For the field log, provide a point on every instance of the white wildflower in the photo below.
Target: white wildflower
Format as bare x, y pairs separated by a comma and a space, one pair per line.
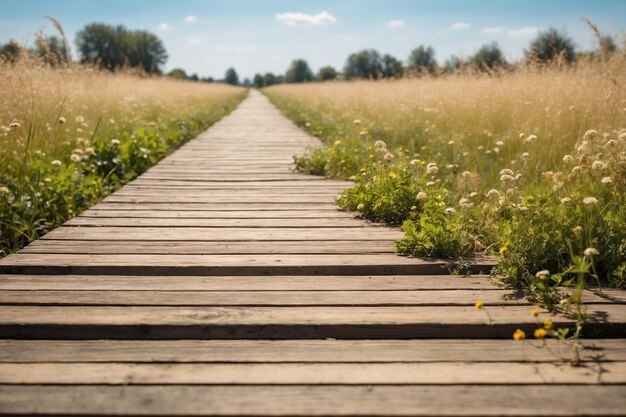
506, 171
542, 275
421, 196
115, 142
379, 144
449, 211
590, 200
4, 190
432, 168
606, 180
568, 159
56, 163
74, 157
493, 193
589, 252
566, 200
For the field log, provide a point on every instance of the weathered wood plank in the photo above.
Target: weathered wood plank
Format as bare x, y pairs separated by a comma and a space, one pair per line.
283, 298
245, 283
319, 223
226, 234
19, 322
206, 248
220, 214
264, 264
303, 351
265, 298
301, 400
502, 373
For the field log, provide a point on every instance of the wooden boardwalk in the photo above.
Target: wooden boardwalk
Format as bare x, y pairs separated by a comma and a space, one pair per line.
221, 283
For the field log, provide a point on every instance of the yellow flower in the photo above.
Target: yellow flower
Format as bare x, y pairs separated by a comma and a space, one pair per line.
392, 174
540, 333
577, 230
479, 304
364, 131
503, 250
547, 324
361, 206
519, 335
534, 312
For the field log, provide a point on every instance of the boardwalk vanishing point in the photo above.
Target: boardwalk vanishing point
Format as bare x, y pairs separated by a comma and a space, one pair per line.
221, 283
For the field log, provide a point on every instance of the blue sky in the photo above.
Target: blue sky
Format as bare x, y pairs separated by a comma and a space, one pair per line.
208, 36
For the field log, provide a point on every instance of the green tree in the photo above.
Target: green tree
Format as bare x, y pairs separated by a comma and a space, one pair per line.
194, 77
178, 73
488, 57
364, 64
270, 79
326, 73
391, 67
453, 63
258, 81
550, 45
10, 51
113, 47
299, 72
231, 77
422, 59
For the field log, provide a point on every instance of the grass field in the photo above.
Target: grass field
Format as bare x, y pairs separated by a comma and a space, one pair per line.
529, 164
71, 135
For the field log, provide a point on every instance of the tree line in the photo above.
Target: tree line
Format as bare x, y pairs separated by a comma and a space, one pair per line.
114, 47
548, 46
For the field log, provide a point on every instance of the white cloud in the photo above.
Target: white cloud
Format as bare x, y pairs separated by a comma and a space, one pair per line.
494, 29
304, 19
194, 42
524, 32
191, 19
396, 23
460, 25
164, 27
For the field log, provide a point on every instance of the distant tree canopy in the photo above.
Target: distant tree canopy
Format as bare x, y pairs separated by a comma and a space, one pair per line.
258, 81
364, 64
271, 79
299, 72
178, 73
113, 47
10, 51
231, 76
488, 57
550, 45
422, 59
326, 73
453, 63
391, 67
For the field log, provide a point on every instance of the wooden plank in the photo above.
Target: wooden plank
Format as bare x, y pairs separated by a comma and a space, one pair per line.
206, 248
312, 199
225, 234
220, 214
273, 207
427, 373
264, 298
303, 351
303, 400
265, 264
245, 283
283, 298
28, 322
319, 223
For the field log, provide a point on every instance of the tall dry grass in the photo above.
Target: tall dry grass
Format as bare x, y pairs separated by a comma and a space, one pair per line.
71, 134
473, 110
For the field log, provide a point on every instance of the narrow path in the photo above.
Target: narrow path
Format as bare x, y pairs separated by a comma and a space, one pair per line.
221, 283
